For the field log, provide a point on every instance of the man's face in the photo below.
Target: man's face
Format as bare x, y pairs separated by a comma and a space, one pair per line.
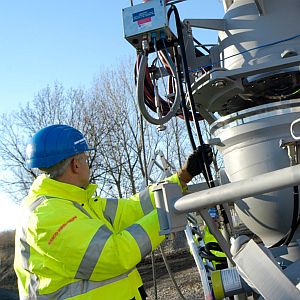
84, 172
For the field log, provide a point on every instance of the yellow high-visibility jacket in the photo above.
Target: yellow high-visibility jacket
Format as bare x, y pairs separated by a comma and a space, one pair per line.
209, 238
71, 245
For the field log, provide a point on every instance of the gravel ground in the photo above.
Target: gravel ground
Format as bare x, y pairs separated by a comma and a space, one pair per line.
183, 268
188, 282
186, 275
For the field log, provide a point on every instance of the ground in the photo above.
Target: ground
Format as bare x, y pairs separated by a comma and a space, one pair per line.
184, 271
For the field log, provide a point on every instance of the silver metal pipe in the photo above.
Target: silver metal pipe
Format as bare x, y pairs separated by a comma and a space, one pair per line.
257, 185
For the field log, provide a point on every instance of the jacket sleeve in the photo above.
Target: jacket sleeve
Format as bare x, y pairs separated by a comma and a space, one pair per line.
123, 212
81, 247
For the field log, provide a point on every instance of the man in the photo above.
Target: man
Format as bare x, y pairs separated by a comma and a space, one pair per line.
212, 249
72, 245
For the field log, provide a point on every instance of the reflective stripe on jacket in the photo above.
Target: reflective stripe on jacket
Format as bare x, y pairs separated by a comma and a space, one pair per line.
71, 245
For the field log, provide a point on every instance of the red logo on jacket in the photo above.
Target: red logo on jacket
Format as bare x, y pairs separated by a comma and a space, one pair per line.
61, 227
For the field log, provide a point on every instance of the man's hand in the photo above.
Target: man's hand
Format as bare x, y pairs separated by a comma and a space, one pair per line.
195, 164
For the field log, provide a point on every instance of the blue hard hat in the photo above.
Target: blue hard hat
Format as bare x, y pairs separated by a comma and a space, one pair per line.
53, 144
213, 212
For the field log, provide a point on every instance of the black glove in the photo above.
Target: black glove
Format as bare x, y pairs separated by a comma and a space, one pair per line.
195, 163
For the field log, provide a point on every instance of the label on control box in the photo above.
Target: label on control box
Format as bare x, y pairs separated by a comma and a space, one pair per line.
231, 280
143, 18
141, 15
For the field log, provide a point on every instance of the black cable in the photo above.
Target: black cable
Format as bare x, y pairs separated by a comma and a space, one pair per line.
291, 233
213, 246
202, 46
183, 101
199, 117
295, 220
207, 174
184, 107
212, 257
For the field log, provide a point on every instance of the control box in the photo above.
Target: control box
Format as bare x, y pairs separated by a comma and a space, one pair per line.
145, 20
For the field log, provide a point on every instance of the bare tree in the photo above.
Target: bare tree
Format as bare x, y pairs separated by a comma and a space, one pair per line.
50, 106
122, 146
107, 114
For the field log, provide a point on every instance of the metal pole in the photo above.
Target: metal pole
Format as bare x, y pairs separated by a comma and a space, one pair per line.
200, 266
257, 185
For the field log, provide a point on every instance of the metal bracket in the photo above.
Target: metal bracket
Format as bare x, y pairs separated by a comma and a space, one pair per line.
165, 195
292, 148
214, 24
214, 88
260, 7
260, 272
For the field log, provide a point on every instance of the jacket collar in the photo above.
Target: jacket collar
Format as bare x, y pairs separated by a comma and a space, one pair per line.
52, 188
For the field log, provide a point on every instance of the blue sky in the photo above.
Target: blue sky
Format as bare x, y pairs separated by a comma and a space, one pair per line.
43, 41
70, 41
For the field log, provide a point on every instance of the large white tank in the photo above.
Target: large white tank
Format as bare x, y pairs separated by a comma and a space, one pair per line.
251, 145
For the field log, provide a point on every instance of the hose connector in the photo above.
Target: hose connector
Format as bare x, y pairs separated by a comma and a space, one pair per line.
145, 43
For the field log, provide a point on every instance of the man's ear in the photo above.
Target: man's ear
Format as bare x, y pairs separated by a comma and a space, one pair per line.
74, 165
